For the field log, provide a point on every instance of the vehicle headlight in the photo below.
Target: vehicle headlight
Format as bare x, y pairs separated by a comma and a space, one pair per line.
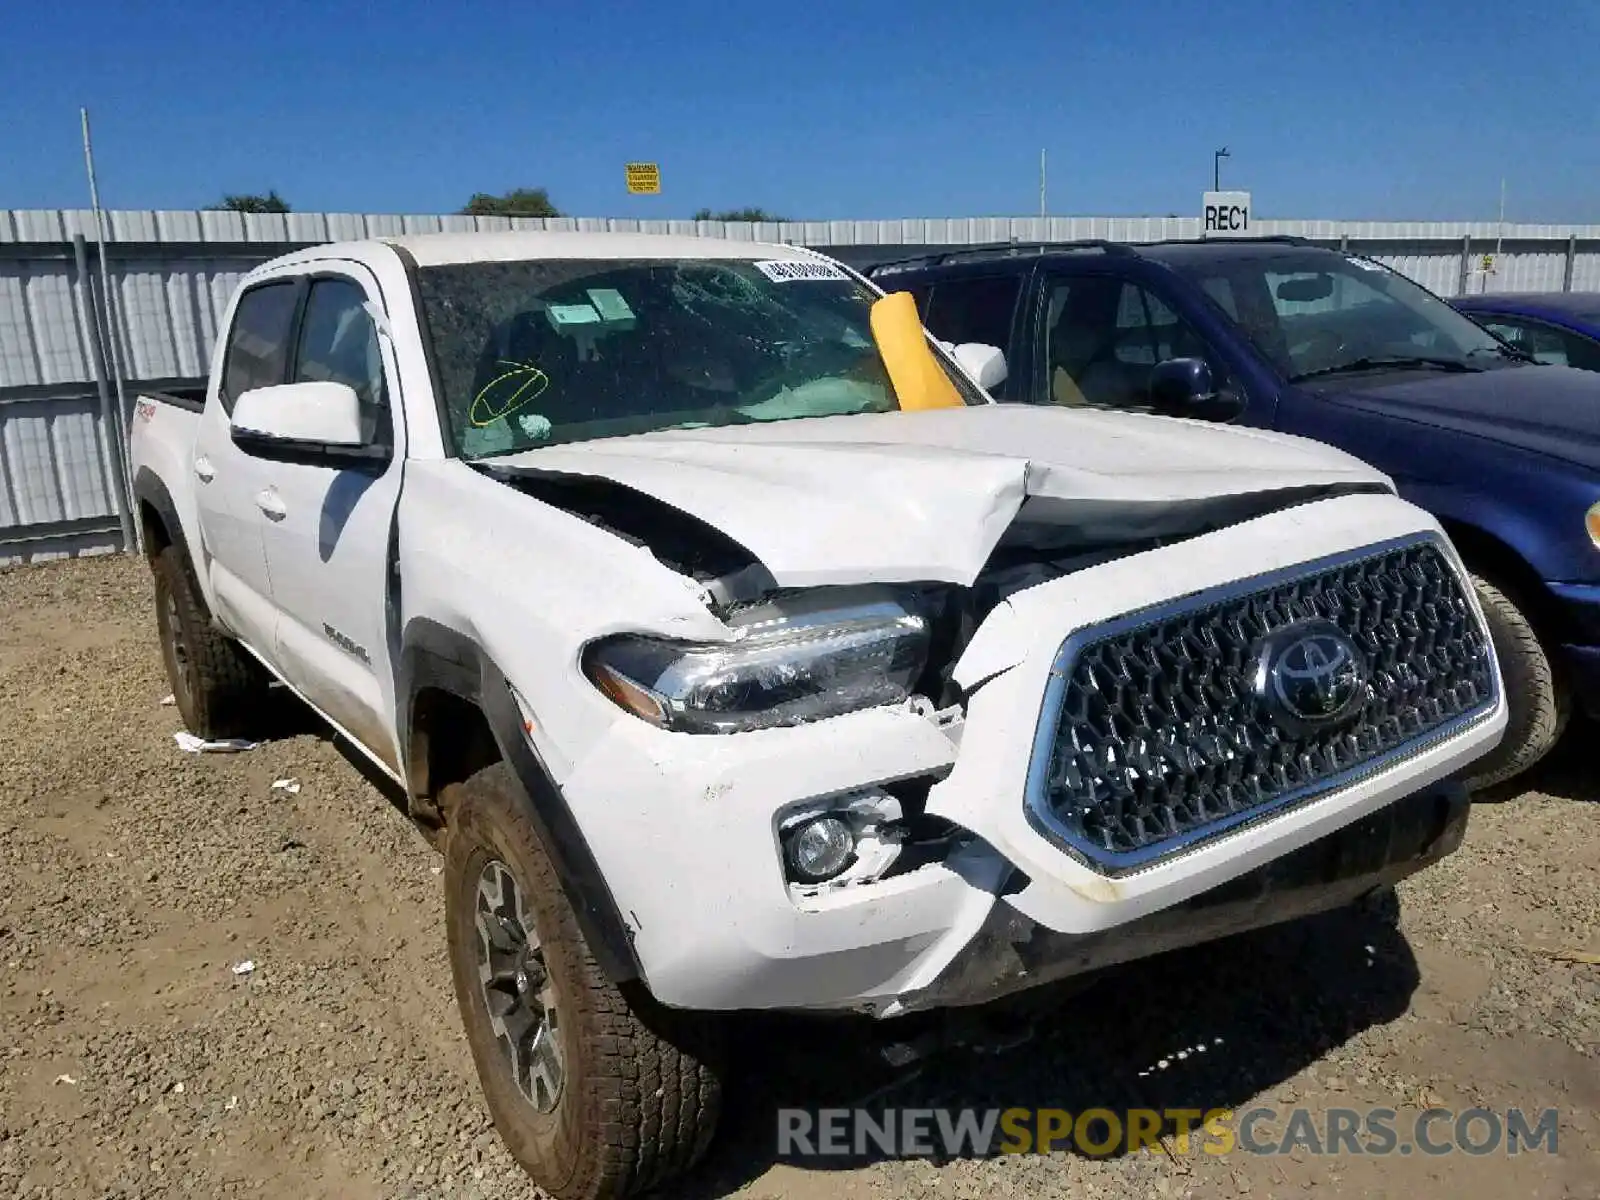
792, 661
1591, 521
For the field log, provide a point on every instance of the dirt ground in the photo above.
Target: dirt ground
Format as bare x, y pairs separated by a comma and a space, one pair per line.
136, 1061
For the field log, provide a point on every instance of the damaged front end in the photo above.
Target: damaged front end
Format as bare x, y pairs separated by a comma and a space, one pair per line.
834, 780
800, 655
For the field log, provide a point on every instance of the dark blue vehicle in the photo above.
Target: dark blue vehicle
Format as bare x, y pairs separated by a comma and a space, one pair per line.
1280, 333
1558, 328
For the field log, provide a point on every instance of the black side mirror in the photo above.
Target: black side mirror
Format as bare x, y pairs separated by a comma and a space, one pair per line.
1178, 384
1183, 387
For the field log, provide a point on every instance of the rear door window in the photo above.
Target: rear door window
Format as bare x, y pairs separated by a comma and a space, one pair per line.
974, 310
258, 343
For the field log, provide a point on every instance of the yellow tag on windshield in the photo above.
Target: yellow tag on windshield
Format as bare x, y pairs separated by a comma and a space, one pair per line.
918, 378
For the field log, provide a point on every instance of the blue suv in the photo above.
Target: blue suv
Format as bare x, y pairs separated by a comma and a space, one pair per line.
1286, 335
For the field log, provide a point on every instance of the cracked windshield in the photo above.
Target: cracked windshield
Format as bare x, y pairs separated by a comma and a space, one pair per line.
535, 353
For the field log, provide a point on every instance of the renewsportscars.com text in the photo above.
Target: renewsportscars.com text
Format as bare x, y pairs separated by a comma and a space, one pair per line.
944, 1132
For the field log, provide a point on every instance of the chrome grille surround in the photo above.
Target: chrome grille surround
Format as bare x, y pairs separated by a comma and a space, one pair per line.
1151, 741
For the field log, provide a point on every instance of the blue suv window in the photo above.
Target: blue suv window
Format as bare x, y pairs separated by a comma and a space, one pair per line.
1105, 336
1547, 344
1316, 313
973, 310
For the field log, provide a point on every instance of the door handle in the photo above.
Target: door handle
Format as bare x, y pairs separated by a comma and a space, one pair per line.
269, 502
204, 470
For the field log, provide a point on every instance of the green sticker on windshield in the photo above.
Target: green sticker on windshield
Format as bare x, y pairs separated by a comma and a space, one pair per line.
570, 316
613, 309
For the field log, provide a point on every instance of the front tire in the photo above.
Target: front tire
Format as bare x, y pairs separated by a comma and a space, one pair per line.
219, 689
596, 1091
1537, 699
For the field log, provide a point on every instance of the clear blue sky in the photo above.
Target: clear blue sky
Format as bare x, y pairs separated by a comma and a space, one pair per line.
1404, 109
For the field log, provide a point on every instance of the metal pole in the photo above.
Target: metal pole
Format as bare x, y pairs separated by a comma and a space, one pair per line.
1466, 266
1499, 235
1042, 209
121, 428
108, 419
1572, 262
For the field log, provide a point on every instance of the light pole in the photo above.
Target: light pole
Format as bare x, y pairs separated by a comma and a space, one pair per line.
1216, 168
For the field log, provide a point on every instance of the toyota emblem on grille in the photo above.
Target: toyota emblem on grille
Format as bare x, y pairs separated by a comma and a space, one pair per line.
1310, 675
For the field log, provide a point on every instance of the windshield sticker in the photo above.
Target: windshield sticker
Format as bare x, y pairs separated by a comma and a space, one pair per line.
790, 270
1365, 265
530, 383
613, 309
565, 316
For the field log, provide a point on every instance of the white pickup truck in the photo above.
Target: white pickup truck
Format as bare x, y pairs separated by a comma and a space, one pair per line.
740, 653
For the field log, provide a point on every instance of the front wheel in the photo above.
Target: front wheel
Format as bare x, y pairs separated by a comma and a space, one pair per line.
1537, 700
595, 1091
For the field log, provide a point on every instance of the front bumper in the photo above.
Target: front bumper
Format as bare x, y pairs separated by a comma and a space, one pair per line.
1012, 952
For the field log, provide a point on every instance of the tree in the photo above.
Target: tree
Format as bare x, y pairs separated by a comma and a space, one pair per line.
270, 203
519, 202
739, 214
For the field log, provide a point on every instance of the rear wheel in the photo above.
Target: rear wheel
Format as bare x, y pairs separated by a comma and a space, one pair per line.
1537, 699
597, 1092
219, 689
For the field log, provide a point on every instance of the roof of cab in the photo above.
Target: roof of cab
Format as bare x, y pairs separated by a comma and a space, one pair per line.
442, 249
438, 249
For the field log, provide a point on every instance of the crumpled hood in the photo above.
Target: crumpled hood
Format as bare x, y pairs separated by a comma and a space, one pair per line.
1549, 410
926, 496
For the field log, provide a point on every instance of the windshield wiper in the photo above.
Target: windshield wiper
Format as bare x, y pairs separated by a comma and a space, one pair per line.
1377, 363
1510, 352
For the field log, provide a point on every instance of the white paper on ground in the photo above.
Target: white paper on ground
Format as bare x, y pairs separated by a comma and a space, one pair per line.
190, 744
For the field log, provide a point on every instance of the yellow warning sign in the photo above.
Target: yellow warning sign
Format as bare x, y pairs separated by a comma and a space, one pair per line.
644, 179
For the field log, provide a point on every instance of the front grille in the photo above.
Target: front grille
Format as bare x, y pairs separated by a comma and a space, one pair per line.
1155, 736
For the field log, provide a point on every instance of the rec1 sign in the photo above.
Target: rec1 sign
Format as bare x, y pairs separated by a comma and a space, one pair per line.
1226, 214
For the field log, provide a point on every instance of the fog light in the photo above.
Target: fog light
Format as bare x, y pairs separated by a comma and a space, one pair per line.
820, 848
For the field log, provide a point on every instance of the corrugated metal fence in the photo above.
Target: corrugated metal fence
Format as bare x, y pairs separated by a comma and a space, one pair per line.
171, 274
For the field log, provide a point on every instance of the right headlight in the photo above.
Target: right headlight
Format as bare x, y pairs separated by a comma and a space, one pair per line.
803, 659
1591, 522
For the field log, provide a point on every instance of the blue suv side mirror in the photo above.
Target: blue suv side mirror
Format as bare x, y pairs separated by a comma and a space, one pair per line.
1184, 387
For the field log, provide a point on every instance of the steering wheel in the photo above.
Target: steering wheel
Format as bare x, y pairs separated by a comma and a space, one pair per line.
1323, 348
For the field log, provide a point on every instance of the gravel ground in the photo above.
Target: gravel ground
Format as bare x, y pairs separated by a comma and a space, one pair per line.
136, 1061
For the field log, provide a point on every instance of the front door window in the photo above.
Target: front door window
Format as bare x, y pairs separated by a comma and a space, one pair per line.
1104, 337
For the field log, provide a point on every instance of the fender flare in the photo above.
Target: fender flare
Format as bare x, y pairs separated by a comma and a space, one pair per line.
435, 656
149, 488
